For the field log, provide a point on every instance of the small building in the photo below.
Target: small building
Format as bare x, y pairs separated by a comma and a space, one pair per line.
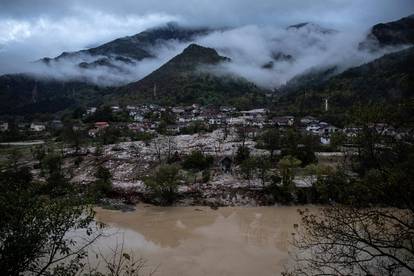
37, 127
93, 132
328, 130
325, 140
101, 125
4, 126
308, 120
215, 121
91, 110
235, 121
283, 121
173, 129
136, 127
227, 109
115, 108
56, 124
178, 110
138, 118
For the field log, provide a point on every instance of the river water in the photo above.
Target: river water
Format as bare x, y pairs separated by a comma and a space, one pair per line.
201, 241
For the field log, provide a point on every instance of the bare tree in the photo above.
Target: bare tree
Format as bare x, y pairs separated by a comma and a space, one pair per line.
164, 148
355, 241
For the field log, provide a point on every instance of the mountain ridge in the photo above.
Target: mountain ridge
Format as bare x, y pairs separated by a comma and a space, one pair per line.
182, 80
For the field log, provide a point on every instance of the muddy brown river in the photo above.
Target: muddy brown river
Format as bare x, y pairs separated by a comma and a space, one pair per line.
201, 241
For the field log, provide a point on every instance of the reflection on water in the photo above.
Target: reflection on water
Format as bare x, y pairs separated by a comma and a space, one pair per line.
201, 241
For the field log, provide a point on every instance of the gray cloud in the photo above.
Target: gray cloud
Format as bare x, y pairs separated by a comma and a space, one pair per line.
33, 29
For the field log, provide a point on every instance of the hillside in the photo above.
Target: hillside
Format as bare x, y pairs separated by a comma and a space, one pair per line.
25, 95
387, 79
187, 79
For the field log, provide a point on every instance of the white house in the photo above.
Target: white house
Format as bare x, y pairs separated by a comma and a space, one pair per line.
4, 126
91, 110
308, 120
37, 127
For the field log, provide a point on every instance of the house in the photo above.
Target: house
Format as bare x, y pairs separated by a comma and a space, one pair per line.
236, 121
308, 120
313, 128
322, 129
101, 125
283, 121
91, 110
227, 109
328, 130
215, 121
115, 108
325, 140
136, 127
226, 164
305, 181
255, 112
173, 129
93, 132
131, 107
138, 118
56, 124
352, 131
37, 127
178, 110
4, 126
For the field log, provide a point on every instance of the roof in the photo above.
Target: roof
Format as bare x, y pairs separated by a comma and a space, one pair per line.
253, 111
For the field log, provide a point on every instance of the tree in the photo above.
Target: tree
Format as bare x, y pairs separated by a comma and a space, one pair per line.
271, 141
248, 168
356, 241
34, 226
243, 153
103, 184
263, 165
163, 183
300, 146
72, 137
197, 161
164, 148
110, 135
287, 165
242, 134
372, 231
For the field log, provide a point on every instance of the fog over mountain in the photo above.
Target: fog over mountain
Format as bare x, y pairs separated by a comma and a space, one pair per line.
262, 47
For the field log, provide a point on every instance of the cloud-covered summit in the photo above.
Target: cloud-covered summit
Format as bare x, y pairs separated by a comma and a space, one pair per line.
256, 34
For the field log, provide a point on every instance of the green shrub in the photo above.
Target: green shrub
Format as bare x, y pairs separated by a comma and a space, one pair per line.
197, 161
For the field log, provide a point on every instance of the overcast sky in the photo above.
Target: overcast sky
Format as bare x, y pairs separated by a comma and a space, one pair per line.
31, 29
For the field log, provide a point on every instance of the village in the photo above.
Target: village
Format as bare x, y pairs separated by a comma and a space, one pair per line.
131, 142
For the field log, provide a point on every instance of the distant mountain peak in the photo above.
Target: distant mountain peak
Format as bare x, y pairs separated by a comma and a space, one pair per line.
311, 27
198, 50
298, 26
399, 32
195, 54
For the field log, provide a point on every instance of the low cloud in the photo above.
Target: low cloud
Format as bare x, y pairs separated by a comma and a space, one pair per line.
118, 73
30, 30
310, 47
287, 52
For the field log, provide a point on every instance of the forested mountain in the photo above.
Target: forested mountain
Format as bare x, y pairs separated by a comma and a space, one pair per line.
190, 78
387, 79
